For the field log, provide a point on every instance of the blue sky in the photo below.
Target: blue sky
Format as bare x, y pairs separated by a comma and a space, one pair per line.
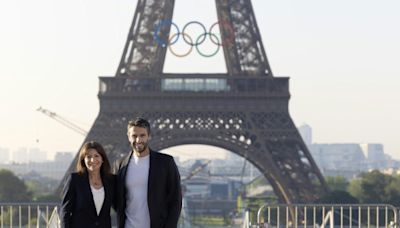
342, 57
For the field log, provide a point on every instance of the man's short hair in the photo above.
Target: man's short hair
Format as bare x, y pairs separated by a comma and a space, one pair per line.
139, 122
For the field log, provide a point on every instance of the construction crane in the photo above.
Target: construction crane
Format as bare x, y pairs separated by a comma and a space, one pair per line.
196, 170
63, 121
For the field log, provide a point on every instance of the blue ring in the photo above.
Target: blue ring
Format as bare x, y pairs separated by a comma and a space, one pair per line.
158, 28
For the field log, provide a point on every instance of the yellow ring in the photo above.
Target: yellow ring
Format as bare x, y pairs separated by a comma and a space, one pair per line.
180, 55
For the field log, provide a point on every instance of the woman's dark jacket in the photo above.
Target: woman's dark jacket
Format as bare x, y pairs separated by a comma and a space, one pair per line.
78, 209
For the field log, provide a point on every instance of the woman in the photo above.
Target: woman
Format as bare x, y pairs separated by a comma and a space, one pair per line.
89, 193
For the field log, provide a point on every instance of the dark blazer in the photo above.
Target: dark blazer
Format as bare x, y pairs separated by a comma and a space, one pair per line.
78, 209
164, 196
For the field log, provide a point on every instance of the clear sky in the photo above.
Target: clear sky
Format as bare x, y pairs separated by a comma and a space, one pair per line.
342, 56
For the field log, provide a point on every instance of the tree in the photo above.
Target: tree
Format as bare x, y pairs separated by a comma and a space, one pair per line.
12, 189
354, 188
337, 197
392, 191
373, 185
376, 187
48, 198
43, 189
337, 183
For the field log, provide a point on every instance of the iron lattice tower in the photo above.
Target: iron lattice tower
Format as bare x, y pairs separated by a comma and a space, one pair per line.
245, 111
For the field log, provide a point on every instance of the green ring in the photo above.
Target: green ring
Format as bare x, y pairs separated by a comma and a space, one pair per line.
197, 46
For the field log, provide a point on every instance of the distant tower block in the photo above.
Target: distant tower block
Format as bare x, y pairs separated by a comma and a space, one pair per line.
246, 114
306, 133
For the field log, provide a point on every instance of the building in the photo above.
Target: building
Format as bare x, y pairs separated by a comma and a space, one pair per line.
20, 155
37, 155
4, 155
346, 159
63, 156
339, 159
52, 169
25, 155
375, 155
305, 131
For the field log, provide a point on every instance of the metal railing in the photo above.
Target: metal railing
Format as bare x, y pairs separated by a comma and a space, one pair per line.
326, 215
27, 215
44, 215
246, 219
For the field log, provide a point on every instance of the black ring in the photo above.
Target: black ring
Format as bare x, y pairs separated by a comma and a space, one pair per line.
197, 43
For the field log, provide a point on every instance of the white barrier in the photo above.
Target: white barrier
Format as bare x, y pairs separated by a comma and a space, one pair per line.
327, 215
27, 215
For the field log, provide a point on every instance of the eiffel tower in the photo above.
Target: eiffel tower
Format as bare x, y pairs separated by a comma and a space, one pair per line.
244, 110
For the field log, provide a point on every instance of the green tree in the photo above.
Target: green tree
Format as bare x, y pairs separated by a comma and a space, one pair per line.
354, 188
337, 183
338, 196
373, 185
48, 198
43, 189
12, 189
376, 187
392, 191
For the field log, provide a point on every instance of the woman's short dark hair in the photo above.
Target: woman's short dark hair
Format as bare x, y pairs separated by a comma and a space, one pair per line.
139, 122
80, 164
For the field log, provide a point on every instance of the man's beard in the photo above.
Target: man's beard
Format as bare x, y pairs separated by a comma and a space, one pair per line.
139, 150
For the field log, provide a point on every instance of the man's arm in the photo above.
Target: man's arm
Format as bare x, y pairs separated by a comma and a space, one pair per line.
117, 188
116, 166
174, 198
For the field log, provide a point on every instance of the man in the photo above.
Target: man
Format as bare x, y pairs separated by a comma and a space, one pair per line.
149, 190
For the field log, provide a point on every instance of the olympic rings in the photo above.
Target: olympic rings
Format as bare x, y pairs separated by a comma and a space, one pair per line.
181, 55
161, 33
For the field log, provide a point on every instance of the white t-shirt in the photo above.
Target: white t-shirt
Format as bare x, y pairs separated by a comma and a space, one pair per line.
137, 209
98, 198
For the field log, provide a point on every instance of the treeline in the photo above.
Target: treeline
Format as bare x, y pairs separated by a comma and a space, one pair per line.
369, 188
14, 190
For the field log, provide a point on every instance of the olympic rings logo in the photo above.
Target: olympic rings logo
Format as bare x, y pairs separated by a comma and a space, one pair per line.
161, 37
